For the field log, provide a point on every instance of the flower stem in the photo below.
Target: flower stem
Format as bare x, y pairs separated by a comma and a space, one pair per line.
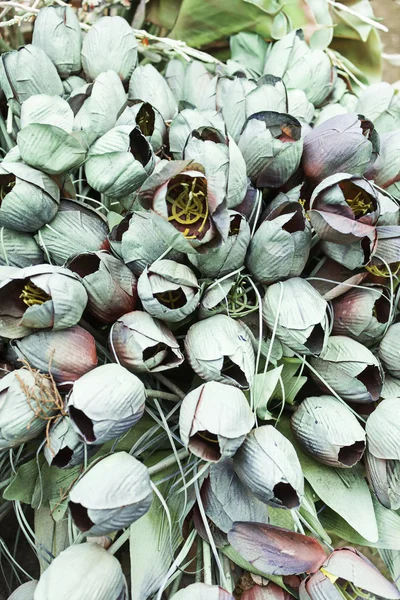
168, 462
162, 395
207, 567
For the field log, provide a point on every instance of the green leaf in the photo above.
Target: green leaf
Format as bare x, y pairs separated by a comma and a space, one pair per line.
264, 386
53, 536
366, 57
309, 513
323, 29
249, 49
23, 483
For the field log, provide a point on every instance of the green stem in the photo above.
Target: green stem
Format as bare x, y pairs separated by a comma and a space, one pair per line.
162, 395
168, 462
171, 386
207, 566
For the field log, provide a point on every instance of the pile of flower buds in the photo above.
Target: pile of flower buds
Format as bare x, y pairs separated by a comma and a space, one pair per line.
198, 319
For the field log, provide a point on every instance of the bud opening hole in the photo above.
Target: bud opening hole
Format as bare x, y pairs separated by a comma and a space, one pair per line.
315, 341
295, 223
145, 119
62, 458
372, 379
80, 516
207, 445
233, 371
172, 298
234, 228
7, 183
85, 264
84, 424
139, 146
350, 455
286, 495
381, 310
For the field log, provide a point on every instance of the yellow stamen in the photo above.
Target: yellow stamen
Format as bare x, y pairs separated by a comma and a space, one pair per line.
359, 205
200, 434
189, 207
383, 271
145, 120
31, 295
169, 298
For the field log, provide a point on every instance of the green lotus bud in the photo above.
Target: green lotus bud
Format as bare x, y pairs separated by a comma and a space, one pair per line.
76, 228
48, 110
29, 198
119, 162
105, 402
64, 448
268, 465
40, 297
220, 349
24, 591
112, 494
386, 169
214, 420
389, 210
175, 76
82, 571
143, 344
329, 112
148, 85
73, 83
271, 145
383, 430
380, 102
149, 121
384, 476
101, 53
329, 431
168, 290
187, 121
231, 296
349, 368
299, 106
352, 256
233, 101
198, 86
18, 249
57, 31
298, 312
389, 350
201, 591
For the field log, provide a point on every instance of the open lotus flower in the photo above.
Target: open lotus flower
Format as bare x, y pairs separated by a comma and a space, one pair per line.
82, 571
385, 112
64, 448
149, 121
276, 551
298, 312
105, 402
344, 143
19, 249
271, 145
24, 591
111, 287
329, 431
168, 290
214, 420
143, 344
148, 85
101, 53
57, 31
26, 402
384, 477
76, 228
362, 314
66, 354
383, 430
344, 209
189, 209
201, 591
348, 368
29, 198
187, 121
268, 465
220, 349
112, 494
389, 350
270, 591
39, 297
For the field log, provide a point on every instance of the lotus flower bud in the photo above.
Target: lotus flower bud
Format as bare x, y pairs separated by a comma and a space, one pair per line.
383, 430
355, 255
342, 279
105, 403
386, 169
110, 285
168, 290
329, 431
271, 145
389, 210
270, 591
40, 75
343, 144
281, 245
27, 401
24, 591
119, 162
76, 228
40, 297
350, 369
300, 314
66, 354
268, 465
148, 85
18, 249
299, 106
175, 76
232, 296
201, 591
233, 101
112, 494
220, 349
389, 350
30, 199
214, 420
386, 257
143, 344
384, 113
384, 476
362, 314
82, 571
57, 31
194, 85
101, 53
64, 448
149, 121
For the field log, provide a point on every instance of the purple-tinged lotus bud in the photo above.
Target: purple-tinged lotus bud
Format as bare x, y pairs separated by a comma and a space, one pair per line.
268, 465
82, 571
389, 350
341, 279
149, 121
299, 106
389, 210
386, 169
383, 430
386, 258
27, 401
24, 591
19, 249
168, 290
57, 31
384, 477
202, 591
329, 111
270, 591
329, 431
342, 144
271, 145
29, 198
111, 495
64, 447
76, 228
300, 314
105, 403
344, 208
350, 369
380, 102
101, 53
220, 349
148, 85
281, 245
111, 287
66, 354
362, 314
40, 297
187, 121
354, 255
214, 420
143, 344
